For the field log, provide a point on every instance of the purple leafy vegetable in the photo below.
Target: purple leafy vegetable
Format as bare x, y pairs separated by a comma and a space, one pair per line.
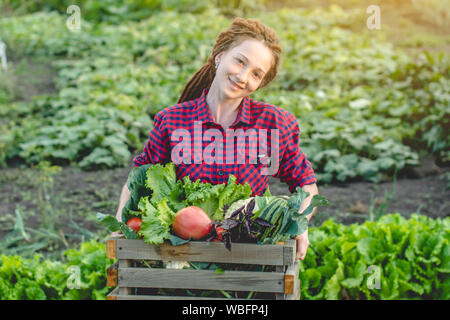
236, 212
228, 224
250, 207
263, 223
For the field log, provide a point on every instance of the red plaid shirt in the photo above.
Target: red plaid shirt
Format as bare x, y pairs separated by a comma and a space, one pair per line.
201, 149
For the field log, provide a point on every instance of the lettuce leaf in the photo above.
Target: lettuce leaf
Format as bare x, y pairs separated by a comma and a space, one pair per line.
154, 230
212, 198
162, 180
159, 209
156, 220
203, 195
232, 192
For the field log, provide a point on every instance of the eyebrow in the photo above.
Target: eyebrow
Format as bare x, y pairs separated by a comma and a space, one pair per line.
247, 60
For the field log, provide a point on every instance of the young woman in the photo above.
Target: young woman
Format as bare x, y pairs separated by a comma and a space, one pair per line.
199, 133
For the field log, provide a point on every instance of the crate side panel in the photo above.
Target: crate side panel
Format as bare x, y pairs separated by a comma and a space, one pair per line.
156, 297
290, 248
292, 282
201, 279
203, 252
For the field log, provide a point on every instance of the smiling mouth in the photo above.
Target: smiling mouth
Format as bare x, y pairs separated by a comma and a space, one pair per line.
234, 84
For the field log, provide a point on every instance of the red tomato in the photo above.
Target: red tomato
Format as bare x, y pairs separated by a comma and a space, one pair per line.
191, 222
135, 224
219, 231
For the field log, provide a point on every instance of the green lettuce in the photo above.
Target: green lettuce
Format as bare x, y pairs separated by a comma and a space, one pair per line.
155, 227
162, 181
43, 279
232, 192
213, 198
164, 196
412, 258
203, 195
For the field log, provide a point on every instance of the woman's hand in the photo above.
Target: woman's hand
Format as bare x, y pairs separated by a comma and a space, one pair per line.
116, 234
302, 240
302, 245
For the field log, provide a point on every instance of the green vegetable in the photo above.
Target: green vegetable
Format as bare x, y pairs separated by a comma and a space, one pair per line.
43, 279
156, 221
213, 198
136, 185
114, 225
162, 181
157, 196
412, 257
283, 212
266, 219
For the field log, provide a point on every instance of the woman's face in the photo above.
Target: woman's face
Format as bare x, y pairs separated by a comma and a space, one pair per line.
241, 69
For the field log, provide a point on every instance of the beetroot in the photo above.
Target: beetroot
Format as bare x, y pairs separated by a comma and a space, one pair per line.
192, 223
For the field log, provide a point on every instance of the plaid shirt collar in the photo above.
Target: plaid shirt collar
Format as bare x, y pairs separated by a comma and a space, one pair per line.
204, 114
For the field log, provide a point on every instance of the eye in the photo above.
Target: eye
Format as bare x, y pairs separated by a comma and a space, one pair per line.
239, 60
257, 75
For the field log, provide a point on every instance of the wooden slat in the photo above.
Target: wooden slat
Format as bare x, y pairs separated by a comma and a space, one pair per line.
155, 297
144, 297
288, 284
206, 252
123, 265
149, 297
113, 294
292, 283
111, 275
202, 279
278, 295
289, 251
111, 245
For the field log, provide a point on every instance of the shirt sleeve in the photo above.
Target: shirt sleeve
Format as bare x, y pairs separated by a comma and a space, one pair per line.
295, 169
157, 147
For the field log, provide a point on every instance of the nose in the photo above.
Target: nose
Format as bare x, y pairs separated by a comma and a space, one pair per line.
241, 77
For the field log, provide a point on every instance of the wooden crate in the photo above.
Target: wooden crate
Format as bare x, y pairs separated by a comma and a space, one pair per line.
282, 282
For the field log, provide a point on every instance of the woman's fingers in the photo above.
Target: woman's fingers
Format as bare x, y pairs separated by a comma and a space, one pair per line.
116, 234
302, 246
301, 253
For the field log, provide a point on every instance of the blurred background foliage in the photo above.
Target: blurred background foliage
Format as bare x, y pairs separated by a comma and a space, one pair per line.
369, 102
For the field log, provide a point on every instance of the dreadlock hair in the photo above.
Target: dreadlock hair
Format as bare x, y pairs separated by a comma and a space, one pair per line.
241, 29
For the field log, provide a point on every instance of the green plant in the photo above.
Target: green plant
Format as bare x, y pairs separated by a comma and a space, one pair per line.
90, 258
39, 279
365, 107
410, 255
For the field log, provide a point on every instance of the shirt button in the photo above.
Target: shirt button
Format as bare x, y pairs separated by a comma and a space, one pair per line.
220, 173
